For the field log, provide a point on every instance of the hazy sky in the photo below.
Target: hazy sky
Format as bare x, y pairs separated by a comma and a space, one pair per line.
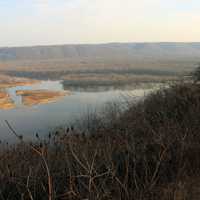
33, 22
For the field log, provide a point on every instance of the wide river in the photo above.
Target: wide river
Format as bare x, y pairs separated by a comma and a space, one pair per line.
42, 118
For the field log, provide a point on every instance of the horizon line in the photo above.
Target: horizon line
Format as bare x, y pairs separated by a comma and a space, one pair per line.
101, 43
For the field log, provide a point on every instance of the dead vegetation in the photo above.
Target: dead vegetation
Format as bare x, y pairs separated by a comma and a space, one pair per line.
5, 101
7, 81
149, 152
34, 97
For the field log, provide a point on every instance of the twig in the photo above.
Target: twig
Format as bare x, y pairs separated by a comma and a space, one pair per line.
40, 154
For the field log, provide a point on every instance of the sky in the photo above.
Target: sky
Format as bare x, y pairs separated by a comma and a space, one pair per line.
46, 22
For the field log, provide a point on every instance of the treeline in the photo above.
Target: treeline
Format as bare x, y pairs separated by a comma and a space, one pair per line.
58, 74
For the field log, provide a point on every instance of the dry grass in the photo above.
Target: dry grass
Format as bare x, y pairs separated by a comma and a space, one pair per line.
5, 101
150, 152
8, 81
33, 97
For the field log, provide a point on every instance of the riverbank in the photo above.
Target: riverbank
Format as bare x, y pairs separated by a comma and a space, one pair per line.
9, 81
151, 151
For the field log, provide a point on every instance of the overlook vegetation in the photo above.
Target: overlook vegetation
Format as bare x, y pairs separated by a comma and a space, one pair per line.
148, 152
196, 74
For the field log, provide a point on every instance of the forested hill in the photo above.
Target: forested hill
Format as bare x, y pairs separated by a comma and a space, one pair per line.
112, 50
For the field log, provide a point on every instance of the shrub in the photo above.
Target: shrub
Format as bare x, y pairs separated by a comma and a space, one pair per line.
150, 151
196, 74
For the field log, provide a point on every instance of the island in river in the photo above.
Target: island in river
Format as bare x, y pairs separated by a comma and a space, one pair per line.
8, 81
34, 97
5, 101
29, 97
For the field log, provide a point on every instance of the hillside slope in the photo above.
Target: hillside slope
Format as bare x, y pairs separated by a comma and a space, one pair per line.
124, 50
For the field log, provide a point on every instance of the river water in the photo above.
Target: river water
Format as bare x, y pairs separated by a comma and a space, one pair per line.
42, 118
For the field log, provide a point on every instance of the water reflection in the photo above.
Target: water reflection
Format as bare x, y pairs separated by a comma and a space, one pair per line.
27, 120
101, 88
